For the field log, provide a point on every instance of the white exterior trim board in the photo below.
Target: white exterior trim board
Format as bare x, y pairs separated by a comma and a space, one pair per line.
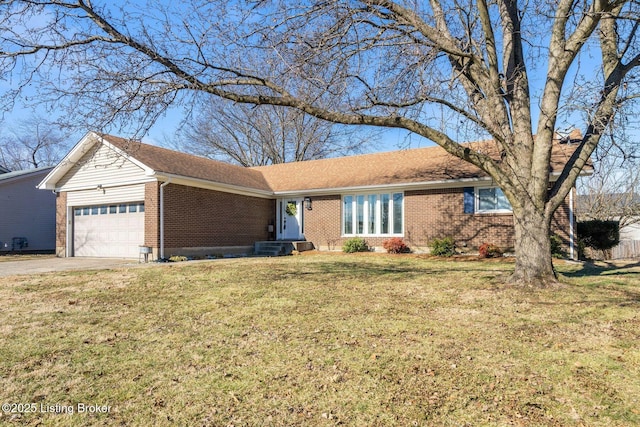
105, 186
84, 146
386, 187
452, 183
122, 194
212, 185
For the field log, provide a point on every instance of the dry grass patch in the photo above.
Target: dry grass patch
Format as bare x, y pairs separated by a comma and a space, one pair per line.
6, 257
323, 340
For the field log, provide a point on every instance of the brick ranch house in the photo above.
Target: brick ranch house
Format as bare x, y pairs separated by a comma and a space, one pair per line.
115, 195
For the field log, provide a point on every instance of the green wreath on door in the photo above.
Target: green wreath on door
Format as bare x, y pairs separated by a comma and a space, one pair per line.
292, 209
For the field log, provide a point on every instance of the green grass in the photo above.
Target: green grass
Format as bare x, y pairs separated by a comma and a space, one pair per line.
360, 340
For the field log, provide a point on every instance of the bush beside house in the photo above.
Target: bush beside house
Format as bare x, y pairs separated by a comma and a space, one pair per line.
356, 244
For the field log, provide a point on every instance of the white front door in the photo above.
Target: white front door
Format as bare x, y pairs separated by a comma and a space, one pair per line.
291, 218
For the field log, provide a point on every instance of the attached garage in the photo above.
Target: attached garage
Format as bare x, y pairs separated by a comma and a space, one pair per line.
101, 201
106, 221
115, 195
114, 230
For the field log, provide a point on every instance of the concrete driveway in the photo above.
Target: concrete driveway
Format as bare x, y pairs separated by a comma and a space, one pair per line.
45, 265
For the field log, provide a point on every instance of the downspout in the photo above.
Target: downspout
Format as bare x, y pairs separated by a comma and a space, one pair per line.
164, 184
571, 235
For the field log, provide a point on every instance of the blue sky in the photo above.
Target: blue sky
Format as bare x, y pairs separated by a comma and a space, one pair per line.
387, 140
391, 139
167, 126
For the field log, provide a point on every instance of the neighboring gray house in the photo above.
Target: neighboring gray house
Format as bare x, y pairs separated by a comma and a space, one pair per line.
27, 215
621, 207
3, 169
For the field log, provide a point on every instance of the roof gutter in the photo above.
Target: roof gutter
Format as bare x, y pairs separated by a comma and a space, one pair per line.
451, 183
445, 183
212, 185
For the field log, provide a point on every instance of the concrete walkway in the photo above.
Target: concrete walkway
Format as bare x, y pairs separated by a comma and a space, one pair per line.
45, 265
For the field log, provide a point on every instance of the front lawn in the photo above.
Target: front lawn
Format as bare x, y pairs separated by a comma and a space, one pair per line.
359, 340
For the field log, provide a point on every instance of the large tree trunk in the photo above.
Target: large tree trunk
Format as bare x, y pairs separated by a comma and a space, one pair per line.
533, 249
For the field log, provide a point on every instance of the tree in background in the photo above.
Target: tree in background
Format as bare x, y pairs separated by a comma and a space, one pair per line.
503, 70
612, 192
263, 135
33, 143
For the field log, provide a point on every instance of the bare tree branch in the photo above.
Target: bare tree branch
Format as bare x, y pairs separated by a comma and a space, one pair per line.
264, 135
32, 143
502, 69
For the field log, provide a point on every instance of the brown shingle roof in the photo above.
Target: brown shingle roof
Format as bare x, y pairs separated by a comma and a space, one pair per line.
395, 167
419, 165
406, 166
176, 163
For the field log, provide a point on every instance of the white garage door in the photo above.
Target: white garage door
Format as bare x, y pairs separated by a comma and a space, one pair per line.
115, 230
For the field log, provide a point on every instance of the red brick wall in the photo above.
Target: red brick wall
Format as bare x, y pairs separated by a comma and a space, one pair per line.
196, 217
428, 214
322, 223
205, 218
61, 225
560, 222
440, 213
152, 214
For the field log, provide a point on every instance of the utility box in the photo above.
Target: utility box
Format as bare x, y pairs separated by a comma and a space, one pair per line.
19, 243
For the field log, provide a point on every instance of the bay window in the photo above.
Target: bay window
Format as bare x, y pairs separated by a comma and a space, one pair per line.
373, 214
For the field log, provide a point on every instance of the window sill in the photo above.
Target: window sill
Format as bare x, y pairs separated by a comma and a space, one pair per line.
501, 212
372, 235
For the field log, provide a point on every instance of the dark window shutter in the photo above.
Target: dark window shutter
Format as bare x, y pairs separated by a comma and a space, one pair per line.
469, 201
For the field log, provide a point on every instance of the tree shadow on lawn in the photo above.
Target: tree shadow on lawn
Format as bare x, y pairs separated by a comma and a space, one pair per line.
603, 297
372, 270
491, 273
605, 268
605, 275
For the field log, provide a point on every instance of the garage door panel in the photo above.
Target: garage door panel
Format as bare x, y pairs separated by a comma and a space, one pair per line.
113, 234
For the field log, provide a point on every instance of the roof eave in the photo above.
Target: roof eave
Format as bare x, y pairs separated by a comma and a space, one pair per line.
212, 185
449, 183
77, 152
49, 182
20, 175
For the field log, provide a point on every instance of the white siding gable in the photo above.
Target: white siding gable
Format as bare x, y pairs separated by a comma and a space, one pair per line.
125, 193
102, 166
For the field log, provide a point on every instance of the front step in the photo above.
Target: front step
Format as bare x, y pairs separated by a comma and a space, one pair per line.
280, 247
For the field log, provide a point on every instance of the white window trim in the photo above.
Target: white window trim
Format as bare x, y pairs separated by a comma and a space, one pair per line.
476, 196
139, 206
378, 223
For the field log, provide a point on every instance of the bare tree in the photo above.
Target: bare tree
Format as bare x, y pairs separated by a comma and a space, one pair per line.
263, 135
33, 143
502, 69
612, 192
